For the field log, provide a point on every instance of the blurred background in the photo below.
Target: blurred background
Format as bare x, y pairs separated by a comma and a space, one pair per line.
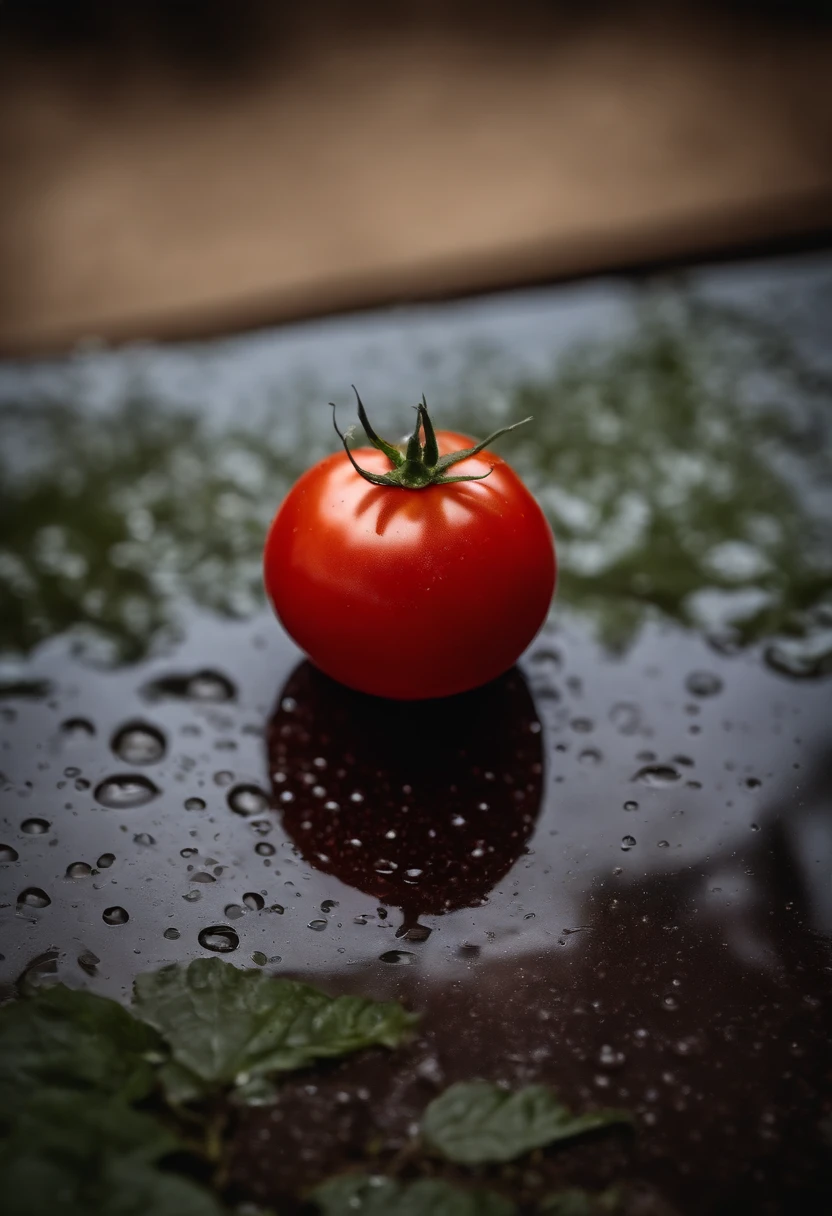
173, 168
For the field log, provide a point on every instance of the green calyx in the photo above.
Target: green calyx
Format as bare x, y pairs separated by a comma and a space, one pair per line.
416, 464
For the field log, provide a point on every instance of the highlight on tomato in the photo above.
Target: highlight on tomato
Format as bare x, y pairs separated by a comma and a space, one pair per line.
411, 571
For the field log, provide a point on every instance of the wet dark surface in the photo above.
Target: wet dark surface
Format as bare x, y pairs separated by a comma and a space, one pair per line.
637, 906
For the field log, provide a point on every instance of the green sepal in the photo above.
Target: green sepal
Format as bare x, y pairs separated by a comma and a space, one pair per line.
392, 453
421, 466
445, 462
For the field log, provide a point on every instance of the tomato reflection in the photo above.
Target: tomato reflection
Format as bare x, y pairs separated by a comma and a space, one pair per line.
424, 805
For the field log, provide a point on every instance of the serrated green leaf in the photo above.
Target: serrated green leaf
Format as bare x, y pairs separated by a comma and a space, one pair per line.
74, 1153
225, 1026
65, 1038
374, 1195
475, 1122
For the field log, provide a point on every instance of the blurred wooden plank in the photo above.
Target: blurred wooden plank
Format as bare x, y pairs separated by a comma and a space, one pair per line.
356, 167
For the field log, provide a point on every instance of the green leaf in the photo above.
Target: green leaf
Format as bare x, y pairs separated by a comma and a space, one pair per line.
63, 1038
374, 1195
75, 1126
225, 1026
136, 1191
74, 1153
34, 1186
475, 1122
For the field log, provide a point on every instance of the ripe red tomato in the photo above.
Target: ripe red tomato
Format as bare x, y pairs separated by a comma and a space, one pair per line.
410, 593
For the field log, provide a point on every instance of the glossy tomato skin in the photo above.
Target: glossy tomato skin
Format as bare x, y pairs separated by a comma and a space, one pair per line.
410, 593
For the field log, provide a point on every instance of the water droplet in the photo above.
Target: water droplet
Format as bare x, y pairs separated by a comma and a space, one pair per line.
194, 804
138, 743
590, 756
399, 958
171, 934
259, 958
755, 827
115, 916
223, 778
206, 686
35, 827
234, 911
7, 853
582, 725
264, 849
254, 901
625, 717
627, 842
191, 897
414, 933
220, 938
617, 870
703, 684
753, 783
144, 839
630, 805
210, 685
806, 658
664, 844
328, 904
247, 800
105, 861
278, 908
657, 775
608, 1057
88, 961
203, 877
318, 925
77, 730
34, 897
78, 869
547, 656
125, 791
